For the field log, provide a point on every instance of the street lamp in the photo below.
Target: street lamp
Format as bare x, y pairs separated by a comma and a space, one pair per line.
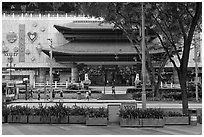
51, 47
10, 60
143, 60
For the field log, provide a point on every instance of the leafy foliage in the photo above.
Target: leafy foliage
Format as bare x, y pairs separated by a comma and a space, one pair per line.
97, 112
141, 113
77, 110
174, 114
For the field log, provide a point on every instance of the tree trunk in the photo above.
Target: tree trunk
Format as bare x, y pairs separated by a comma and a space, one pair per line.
182, 79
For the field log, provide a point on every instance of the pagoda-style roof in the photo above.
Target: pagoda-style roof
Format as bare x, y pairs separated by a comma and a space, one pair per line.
96, 51
94, 42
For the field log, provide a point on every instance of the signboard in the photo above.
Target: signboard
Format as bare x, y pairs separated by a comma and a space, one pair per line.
126, 105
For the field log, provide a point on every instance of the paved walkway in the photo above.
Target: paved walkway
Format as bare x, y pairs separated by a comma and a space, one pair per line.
104, 103
76, 129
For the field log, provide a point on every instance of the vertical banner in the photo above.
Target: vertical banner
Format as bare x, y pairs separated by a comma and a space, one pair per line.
21, 42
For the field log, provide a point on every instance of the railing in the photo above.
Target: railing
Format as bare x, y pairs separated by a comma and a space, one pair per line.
55, 84
38, 14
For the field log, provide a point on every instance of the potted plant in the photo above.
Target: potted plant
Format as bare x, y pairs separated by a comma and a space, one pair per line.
5, 112
59, 113
77, 115
97, 116
40, 114
176, 118
129, 117
34, 115
141, 117
152, 117
18, 114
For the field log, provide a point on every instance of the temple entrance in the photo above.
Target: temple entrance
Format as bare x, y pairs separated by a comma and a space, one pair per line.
109, 74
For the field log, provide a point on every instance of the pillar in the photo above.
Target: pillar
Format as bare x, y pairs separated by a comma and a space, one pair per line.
41, 75
74, 73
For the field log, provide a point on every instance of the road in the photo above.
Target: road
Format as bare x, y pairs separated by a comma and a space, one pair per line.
76, 129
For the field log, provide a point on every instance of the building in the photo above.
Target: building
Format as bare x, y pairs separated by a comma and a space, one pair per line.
79, 45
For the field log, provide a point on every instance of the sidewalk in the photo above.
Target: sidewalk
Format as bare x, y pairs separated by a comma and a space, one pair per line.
104, 103
76, 129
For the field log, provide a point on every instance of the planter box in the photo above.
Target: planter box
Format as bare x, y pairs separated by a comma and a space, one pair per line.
176, 120
77, 119
34, 119
126, 122
54, 120
3, 119
96, 121
17, 118
152, 122
64, 120
10, 119
199, 119
45, 120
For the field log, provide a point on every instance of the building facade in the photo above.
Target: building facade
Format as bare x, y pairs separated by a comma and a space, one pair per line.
79, 45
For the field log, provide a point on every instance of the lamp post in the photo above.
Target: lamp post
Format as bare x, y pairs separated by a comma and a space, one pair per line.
10, 61
25, 80
50, 68
143, 59
196, 70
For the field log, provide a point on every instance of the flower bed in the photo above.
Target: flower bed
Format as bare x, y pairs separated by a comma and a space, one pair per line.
141, 117
97, 116
176, 118
130, 122
77, 115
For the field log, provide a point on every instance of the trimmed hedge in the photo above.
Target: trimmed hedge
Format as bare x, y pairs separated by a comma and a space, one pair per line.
166, 94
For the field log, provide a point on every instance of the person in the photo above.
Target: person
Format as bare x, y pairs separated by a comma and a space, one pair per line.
61, 95
38, 94
31, 94
53, 93
89, 92
113, 89
87, 95
47, 94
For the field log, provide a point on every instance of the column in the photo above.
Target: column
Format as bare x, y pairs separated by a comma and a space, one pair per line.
41, 76
74, 73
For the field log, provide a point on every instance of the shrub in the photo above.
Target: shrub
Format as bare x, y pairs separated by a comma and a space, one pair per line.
141, 113
173, 114
18, 110
77, 110
97, 112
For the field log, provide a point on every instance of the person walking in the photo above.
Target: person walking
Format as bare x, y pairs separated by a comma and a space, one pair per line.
61, 95
38, 94
113, 89
87, 95
53, 94
31, 94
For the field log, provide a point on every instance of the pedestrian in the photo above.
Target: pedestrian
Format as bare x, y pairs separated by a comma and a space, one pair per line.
89, 92
53, 93
47, 94
113, 89
61, 95
87, 95
38, 94
31, 94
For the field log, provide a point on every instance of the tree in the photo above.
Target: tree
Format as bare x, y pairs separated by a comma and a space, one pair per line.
177, 23
127, 17
173, 23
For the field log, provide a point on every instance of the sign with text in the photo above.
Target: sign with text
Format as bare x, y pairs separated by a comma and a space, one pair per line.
126, 105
